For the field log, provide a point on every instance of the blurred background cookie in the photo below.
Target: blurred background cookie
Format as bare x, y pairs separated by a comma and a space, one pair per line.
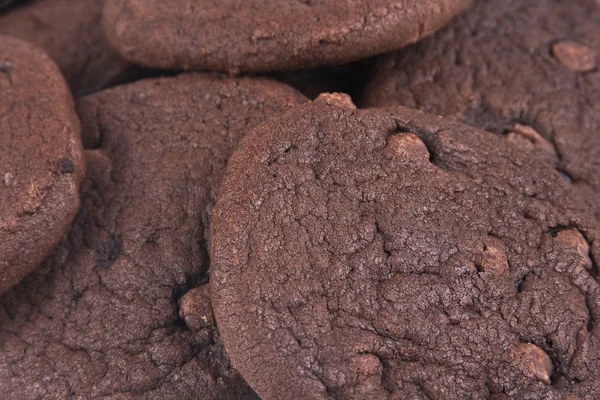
258, 36
71, 33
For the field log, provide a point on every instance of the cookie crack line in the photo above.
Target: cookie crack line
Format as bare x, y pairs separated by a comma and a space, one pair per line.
122, 286
331, 220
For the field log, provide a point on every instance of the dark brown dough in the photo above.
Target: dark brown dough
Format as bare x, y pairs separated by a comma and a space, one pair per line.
506, 63
41, 159
258, 36
100, 319
388, 254
70, 32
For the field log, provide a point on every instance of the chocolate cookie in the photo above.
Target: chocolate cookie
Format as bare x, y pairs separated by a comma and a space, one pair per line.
71, 33
109, 314
387, 254
4, 4
349, 78
508, 64
41, 159
258, 36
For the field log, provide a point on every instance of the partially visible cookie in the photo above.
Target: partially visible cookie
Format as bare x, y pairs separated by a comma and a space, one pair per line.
388, 254
4, 4
41, 159
510, 65
258, 36
111, 315
71, 33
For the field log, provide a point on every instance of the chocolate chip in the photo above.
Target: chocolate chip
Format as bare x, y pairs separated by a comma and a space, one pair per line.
533, 362
494, 260
574, 55
571, 246
66, 166
367, 364
337, 99
526, 137
572, 238
408, 146
196, 309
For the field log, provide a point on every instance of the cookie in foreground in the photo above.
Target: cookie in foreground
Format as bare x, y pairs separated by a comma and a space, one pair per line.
386, 253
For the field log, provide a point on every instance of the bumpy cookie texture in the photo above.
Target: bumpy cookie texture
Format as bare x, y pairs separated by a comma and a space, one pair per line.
387, 254
71, 33
258, 36
101, 318
41, 159
507, 63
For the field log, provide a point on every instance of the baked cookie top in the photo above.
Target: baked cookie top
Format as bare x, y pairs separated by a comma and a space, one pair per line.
385, 253
259, 36
41, 159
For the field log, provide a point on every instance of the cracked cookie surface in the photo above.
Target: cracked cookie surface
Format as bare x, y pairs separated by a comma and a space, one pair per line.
388, 254
107, 315
506, 63
259, 36
71, 33
41, 159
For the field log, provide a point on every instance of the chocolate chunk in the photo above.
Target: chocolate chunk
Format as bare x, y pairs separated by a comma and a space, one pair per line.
573, 239
66, 166
533, 362
41, 159
494, 259
575, 56
385, 253
258, 36
195, 308
528, 138
100, 318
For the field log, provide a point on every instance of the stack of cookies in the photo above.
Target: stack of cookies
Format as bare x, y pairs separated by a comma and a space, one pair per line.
299, 199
